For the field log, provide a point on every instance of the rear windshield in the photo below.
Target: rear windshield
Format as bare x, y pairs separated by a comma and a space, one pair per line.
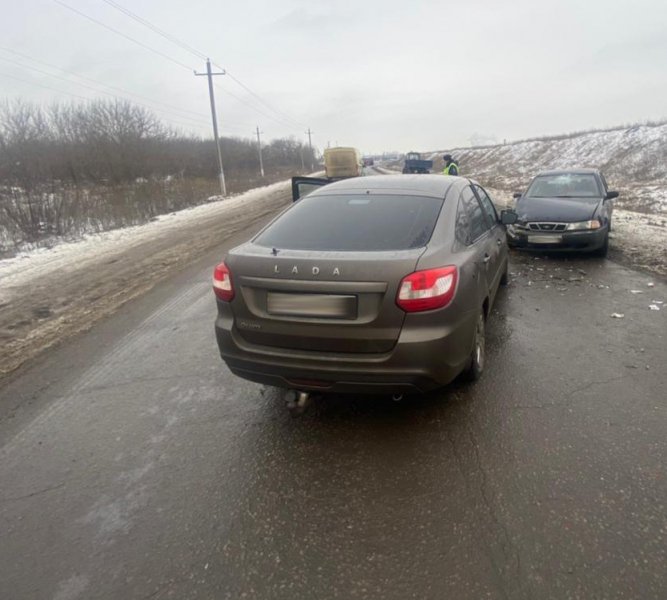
354, 222
566, 185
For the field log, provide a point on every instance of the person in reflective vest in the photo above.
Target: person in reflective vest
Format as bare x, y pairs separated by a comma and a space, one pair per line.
451, 168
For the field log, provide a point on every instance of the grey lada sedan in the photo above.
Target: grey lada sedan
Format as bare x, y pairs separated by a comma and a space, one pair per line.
373, 284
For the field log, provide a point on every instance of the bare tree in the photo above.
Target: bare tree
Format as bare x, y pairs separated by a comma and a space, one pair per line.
69, 167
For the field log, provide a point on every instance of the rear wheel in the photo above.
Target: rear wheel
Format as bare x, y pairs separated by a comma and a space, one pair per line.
505, 277
477, 357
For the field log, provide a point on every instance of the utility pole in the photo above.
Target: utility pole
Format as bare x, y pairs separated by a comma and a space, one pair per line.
259, 149
310, 147
209, 74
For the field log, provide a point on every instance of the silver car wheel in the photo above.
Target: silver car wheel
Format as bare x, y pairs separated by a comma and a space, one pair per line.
479, 343
477, 356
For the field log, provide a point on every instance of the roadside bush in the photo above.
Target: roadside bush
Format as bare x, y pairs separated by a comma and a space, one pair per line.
68, 169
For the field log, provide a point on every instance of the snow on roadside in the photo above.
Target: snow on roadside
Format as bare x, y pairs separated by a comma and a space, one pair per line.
23, 268
641, 238
645, 198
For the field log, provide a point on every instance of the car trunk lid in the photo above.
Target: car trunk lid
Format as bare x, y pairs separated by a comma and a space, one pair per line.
319, 301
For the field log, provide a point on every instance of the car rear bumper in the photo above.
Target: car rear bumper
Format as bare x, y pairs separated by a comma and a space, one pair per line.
423, 359
572, 241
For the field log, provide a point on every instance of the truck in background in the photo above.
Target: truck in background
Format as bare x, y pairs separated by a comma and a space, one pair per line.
342, 162
415, 164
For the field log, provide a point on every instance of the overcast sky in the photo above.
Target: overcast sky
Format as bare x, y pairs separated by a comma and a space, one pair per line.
378, 75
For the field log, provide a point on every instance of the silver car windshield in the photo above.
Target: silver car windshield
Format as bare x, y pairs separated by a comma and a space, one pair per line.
566, 185
354, 222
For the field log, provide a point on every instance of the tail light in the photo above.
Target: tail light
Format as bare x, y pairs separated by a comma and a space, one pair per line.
426, 290
222, 283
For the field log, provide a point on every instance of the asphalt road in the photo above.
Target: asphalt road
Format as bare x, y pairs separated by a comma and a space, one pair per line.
134, 465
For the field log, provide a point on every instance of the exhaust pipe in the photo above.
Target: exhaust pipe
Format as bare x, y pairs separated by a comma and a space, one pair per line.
303, 399
297, 401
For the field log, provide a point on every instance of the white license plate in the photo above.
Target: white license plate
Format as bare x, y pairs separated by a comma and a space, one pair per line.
545, 239
312, 305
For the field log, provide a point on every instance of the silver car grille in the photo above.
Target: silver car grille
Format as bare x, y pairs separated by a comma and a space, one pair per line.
547, 226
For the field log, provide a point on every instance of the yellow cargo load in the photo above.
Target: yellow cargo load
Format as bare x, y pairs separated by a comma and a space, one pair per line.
342, 162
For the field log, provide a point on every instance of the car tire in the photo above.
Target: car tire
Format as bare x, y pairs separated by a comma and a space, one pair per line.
477, 358
505, 277
604, 249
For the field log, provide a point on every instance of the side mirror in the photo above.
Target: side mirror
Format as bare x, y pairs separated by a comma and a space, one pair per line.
611, 195
508, 217
517, 195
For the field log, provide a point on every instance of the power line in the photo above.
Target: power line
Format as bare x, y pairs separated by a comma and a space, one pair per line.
59, 91
47, 87
100, 83
198, 121
84, 85
156, 29
283, 120
259, 110
173, 39
247, 89
127, 37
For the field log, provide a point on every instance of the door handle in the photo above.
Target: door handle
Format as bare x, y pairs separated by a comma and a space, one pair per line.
487, 258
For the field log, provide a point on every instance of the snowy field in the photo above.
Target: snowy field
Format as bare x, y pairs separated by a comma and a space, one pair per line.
636, 154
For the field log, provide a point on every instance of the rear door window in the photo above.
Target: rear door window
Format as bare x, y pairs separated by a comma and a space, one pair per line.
478, 223
463, 224
487, 205
354, 222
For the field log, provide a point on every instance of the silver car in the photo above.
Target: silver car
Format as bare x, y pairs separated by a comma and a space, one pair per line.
373, 284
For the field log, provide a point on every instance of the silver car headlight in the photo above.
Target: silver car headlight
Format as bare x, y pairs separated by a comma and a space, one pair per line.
583, 225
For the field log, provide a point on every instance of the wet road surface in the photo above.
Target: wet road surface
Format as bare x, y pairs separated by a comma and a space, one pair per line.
134, 465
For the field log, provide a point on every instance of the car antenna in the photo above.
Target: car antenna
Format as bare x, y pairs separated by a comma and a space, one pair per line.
274, 251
